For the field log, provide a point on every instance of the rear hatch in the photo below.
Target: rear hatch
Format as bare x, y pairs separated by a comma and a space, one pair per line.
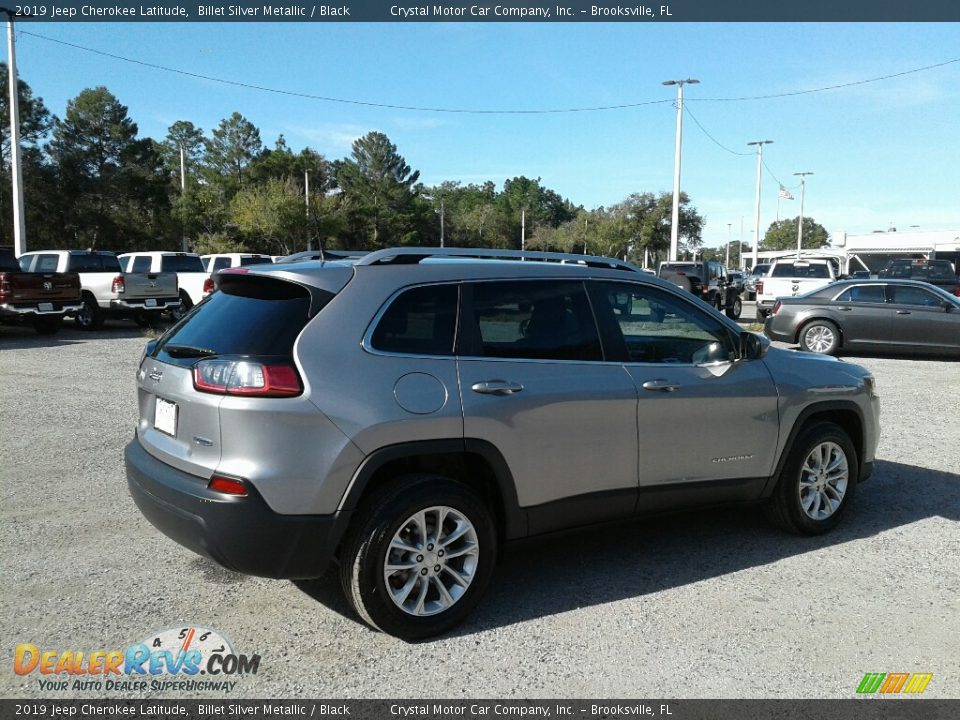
238, 342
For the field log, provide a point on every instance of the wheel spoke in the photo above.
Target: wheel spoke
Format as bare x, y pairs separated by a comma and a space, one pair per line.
457, 577
398, 544
456, 534
446, 598
470, 549
421, 598
400, 596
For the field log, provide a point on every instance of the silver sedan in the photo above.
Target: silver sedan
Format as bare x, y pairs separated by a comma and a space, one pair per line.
900, 316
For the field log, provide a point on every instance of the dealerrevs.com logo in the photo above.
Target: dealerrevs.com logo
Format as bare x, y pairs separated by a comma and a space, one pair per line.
894, 683
184, 659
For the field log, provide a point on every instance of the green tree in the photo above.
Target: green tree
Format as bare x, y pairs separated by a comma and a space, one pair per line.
782, 235
230, 151
272, 216
113, 185
378, 193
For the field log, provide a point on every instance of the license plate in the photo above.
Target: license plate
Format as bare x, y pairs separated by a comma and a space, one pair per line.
151, 302
165, 417
46, 307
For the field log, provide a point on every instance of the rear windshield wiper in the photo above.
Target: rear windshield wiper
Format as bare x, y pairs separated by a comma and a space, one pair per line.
186, 351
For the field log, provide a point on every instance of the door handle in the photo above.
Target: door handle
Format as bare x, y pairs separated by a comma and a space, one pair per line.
845, 308
661, 385
496, 387
903, 312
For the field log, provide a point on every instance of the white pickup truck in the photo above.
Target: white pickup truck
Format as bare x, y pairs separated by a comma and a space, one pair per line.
188, 267
789, 277
106, 290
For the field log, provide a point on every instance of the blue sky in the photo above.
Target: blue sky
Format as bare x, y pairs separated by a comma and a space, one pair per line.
882, 153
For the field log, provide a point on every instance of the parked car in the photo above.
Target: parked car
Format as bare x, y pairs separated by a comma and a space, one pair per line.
187, 266
789, 277
736, 280
220, 261
40, 299
105, 289
708, 280
936, 272
750, 280
892, 315
408, 413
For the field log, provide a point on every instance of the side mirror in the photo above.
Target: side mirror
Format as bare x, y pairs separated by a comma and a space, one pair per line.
753, 346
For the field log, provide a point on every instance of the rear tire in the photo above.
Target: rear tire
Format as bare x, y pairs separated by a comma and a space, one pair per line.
182, 309
90, 316
817, 482
820, 336
419, 556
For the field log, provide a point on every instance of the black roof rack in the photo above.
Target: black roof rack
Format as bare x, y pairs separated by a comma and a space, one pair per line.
412, 256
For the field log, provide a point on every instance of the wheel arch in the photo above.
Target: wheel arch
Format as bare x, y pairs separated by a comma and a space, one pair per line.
847, 415
476, 463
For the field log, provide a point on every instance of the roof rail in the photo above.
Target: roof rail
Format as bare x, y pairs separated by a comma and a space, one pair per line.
412, 256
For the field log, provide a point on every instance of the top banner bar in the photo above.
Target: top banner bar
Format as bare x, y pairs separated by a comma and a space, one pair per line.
494, 11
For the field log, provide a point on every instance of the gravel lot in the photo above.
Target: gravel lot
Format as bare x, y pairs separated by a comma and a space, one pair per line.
702, 605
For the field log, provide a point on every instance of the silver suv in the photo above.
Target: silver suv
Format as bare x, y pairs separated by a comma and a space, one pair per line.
407, 414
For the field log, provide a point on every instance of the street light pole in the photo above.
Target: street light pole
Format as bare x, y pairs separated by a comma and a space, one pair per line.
675, 215
16, 173
441, 222
729, 230
306, 201
756, 244
803, 187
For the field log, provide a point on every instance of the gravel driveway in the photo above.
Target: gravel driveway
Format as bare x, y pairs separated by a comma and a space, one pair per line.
712, 604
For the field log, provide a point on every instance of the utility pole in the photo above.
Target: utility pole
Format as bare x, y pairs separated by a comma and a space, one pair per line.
306, 201
727, 263
183, 192
441, 222
675, 215
523, 229
16, 172
803, 186
756, 243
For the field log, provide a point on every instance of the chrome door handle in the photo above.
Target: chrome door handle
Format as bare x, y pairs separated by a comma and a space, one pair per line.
903, 312
661, 385
845, 309
496, 387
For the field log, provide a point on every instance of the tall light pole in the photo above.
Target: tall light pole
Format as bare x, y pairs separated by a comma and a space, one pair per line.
675, 215
183, 192
756, 244
306, 202
729, 230
16, 173
441, 222
803, 187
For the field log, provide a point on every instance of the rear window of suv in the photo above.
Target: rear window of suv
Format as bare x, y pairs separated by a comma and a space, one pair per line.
813, 270
246, 317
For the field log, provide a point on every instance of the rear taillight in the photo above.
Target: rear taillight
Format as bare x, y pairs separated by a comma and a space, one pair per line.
776, 307
247, 378
956, 291
208, 285
227, 485
5, 289
119, 284
759, 287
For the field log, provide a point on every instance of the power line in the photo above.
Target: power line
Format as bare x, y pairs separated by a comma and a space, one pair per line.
469, 111
717, 142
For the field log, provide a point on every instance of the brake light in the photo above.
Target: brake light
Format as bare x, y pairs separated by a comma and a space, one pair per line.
956, 291
5, 289
759, 287
230, 486
247, 378
776, 307
208, 285
119, 285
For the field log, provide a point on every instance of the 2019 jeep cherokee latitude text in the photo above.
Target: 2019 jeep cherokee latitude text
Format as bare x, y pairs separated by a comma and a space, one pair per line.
406, 415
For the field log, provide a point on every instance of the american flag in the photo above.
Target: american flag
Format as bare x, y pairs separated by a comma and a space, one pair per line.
785, 194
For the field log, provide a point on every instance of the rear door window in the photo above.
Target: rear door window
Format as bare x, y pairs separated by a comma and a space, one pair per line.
543, 320
863, 294
181, 263
219, 264
141, 264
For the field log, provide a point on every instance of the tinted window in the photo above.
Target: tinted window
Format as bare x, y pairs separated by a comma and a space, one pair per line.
141, 264
420, 321
657, 327
84, 262
908, 295
247, 317
863, 294
181, 263
219, 264
540, 320
255, 260
813, 270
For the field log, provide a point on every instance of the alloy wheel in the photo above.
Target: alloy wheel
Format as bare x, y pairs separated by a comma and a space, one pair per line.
823, 480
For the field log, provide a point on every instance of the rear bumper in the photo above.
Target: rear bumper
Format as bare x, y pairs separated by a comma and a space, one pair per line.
132, 307
56, 308
241, 533
775, 333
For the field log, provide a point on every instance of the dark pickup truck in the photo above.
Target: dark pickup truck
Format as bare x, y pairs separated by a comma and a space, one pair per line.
41, 299
936, 272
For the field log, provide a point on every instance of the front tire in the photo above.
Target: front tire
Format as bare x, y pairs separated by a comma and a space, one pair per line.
419, 557
735, 309
820, 336
817, 482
